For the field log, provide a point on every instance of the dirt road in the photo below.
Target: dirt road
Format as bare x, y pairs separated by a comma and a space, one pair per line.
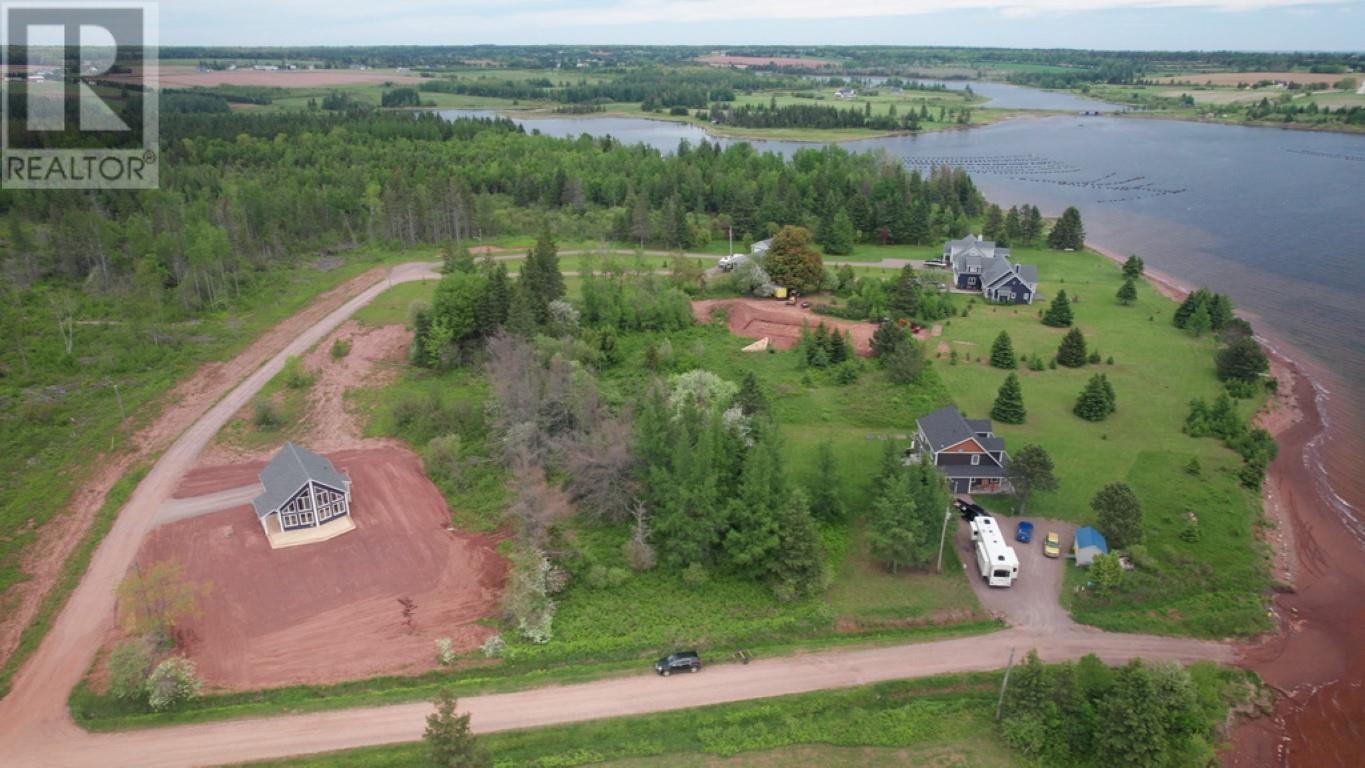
36, 730
257, 739
36, 704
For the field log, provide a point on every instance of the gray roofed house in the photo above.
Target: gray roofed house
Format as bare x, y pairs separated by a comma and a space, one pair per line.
303, 493
966, 451
979, 264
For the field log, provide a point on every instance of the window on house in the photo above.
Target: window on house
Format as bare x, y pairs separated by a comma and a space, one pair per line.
976, 459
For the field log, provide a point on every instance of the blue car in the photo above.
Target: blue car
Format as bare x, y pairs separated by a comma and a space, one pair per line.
1024, 533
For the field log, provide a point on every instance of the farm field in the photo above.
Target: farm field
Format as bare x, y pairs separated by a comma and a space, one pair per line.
1250, 78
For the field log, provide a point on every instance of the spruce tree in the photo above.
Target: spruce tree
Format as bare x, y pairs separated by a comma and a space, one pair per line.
893, 537
798, 569
838, 347
1068, 232
1072, 353
1109, 397
1199, 322
1002, 352
1220, 311
750, 398
1094, 402
995, 221
1192, 302
1127, 292
1058, 314
825, 503
839, 235
885, 339
449, 741
1009, 402
1133, 267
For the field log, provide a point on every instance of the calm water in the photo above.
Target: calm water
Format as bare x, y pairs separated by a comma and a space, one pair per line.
1274, 218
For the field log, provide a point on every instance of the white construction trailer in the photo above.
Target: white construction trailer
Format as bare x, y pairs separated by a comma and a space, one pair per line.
995, 559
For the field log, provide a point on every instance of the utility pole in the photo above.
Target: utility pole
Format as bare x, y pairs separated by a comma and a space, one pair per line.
1004, 684
943, 536
731, 230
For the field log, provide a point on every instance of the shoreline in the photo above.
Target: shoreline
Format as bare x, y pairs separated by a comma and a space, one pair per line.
1315, 659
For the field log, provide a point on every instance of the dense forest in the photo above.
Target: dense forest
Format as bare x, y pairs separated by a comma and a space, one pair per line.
108, 287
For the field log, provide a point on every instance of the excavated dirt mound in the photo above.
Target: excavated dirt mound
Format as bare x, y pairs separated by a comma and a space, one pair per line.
757, 318
329, 611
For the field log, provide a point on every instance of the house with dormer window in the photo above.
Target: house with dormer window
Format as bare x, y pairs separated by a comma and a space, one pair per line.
965, 450
981, 265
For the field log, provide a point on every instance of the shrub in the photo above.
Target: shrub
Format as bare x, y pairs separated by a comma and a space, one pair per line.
493, 647
695, 575
129, 663
172, 683
341, 348
445, 652
295, 377
265, 414
846, 373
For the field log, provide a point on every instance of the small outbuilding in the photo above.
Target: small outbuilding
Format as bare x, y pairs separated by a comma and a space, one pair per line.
1089, 543
305, 499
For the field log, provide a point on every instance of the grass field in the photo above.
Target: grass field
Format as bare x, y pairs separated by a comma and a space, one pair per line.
1209, 587
947, 719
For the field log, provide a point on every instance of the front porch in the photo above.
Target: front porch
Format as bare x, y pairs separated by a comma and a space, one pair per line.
280, 539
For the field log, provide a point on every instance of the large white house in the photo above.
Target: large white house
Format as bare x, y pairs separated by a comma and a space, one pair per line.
305, 500
982, 265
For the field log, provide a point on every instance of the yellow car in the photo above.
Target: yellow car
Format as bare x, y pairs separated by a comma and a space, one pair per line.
1052, 545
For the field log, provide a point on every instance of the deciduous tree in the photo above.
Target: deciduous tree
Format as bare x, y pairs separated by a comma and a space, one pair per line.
793, 262
1120, 515
1030, 470
449, 741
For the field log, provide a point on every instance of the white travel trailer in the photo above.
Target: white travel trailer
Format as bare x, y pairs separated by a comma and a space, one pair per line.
995, 559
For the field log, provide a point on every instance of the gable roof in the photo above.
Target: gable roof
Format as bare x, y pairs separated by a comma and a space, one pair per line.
947, 426
288, 471
1089, 537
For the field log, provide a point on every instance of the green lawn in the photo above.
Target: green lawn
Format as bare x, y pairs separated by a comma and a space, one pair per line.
1157, 369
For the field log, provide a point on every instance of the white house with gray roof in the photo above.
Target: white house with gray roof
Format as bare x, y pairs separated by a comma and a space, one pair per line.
982, 265
306, 499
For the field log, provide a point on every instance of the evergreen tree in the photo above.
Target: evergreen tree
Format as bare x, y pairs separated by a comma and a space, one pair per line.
918, 228
1032, 223
456, 258
1058, 314
1120, 515
1199, 322
1109, 397
1242, 360
750, 398
905, 361
1131, 729
449, 741
752, 538
1029, 470
839, 236
1014, 227
1068, 232
825, 502
1127, 292
838, 347
903, 296
1071, 352
1002, 352
1220, 311
1009, 402
885, 339
798, 567
893, 537
1093, 403
540, 276
522, 317
1133, 267
1192, 302
995, 221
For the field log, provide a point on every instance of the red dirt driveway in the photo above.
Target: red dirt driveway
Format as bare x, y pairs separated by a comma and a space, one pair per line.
329, 611
780, 322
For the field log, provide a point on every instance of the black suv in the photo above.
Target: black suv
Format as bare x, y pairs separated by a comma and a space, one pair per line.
685, 661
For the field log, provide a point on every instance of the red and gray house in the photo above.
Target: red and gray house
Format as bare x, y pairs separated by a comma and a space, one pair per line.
965, 450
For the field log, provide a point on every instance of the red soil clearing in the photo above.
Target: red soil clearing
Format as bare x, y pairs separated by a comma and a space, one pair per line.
782, 323
329, 611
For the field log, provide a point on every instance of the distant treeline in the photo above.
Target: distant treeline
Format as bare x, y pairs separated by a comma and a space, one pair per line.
652, 86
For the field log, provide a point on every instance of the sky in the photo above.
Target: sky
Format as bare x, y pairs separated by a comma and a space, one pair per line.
1335, 25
